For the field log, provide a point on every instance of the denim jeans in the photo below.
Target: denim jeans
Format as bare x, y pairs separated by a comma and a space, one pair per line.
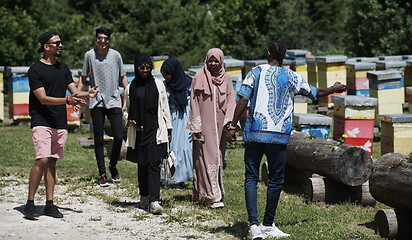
276, 156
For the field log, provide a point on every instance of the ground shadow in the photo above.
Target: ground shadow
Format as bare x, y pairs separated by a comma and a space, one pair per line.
125, 204
239, 230
40, 209
370, 225
183, 198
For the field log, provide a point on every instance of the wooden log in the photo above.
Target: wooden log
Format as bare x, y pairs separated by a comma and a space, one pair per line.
293, 177
393, 224
346, 164
123, 150
391, 180
329, 191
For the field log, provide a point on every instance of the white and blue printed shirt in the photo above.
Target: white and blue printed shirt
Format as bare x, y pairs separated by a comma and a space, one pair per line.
271, 90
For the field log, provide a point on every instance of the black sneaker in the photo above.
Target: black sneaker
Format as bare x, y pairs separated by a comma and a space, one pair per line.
103, 181
52, 211
29, 212
115, 174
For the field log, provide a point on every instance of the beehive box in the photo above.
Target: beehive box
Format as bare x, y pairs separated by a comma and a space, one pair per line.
354, 107
314, 124
312, 71
158, 61
300, 67
356, 77
300, 104
390, 58
408, 92
408, 74
396, 133
385, 79
1, 93
296, 54
391, 65
19, 89
234, 68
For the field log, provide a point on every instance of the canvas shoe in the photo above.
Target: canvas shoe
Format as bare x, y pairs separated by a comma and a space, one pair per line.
52, 211
115, 174
103, 182
217, 205
144, 202
255, 232
272, 231
155, 208
29, 212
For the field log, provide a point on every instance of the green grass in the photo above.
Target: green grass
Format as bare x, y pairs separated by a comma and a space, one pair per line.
78, 169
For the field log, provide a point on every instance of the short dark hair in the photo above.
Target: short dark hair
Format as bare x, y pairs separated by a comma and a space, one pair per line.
103, 30
278, 51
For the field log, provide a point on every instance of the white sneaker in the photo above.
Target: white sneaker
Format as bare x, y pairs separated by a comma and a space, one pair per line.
155, 208
144, 202
272, 231
217, 205
255, 232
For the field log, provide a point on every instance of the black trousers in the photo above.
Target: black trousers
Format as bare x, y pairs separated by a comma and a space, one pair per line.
148, 173
115, 117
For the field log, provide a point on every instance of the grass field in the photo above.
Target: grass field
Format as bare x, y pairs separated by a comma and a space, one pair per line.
304, 221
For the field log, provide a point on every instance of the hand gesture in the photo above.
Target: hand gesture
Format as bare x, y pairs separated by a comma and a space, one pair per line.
339, 87
93, 92
74, 100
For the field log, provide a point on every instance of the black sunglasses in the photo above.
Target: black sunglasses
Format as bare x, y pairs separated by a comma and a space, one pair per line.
57, 43
103, 38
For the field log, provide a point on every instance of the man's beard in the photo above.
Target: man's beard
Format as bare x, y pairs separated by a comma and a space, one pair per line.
58, 54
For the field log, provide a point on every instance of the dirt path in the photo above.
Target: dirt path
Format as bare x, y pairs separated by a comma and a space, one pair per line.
87, 217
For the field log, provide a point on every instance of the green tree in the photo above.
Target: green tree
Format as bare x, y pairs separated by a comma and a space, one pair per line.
18, 38
379, 27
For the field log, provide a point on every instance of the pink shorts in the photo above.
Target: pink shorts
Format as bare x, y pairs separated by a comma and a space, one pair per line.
48, 142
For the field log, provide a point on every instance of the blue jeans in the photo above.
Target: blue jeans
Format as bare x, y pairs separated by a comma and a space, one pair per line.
276, 156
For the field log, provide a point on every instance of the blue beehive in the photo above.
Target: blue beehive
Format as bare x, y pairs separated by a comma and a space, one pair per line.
313, 124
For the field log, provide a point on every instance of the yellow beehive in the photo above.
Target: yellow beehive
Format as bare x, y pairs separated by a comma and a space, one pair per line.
312, 71
396, 133
158, 61
21, 98
354, 112
328, 78
300, 107
384, 96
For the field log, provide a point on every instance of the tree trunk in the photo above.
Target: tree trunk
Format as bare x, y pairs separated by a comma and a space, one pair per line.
391, 180
329, 191
346, 164
393, 224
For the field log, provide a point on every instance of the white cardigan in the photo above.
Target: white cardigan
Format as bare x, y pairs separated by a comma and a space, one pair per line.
163, 116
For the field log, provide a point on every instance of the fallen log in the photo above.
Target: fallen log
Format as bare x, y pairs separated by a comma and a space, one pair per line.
346, 164
393, 224
329, 191
391, 180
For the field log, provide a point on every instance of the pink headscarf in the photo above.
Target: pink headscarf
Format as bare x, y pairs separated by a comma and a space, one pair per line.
204, 79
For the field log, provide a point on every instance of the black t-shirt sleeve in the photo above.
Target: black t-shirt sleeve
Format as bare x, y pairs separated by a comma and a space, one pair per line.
34, 79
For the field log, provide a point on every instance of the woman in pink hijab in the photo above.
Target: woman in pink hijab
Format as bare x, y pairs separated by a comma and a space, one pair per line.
212, 105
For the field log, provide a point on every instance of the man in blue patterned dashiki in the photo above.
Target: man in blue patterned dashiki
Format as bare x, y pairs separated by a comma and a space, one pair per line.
270, 89
178, 89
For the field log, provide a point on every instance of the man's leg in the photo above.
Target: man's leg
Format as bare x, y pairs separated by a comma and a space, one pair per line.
115, 117
50, 178
36, 174
98, 115
253, 156
50, 181
276, 155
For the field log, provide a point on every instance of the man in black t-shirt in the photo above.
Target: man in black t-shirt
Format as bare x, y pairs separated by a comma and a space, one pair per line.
49, 80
